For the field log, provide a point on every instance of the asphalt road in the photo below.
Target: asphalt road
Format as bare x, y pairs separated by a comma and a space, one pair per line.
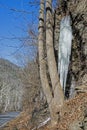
6, 117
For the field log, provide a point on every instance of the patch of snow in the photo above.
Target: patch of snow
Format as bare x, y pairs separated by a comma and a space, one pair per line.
42, 124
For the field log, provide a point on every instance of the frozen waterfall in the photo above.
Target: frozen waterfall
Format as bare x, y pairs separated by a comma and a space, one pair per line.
65, 42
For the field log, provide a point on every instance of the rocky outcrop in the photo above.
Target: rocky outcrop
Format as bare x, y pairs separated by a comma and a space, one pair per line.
78, 61
78, 11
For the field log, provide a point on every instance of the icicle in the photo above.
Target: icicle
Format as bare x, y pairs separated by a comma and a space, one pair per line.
65, 41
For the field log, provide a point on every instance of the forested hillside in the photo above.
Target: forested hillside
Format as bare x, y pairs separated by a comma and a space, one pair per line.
11, 87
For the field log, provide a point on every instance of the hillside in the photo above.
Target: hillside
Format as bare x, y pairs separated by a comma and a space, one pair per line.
10, 87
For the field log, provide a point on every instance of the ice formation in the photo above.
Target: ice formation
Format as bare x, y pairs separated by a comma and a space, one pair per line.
65, 42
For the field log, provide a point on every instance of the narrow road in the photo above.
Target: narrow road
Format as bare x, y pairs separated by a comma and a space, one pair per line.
6, 117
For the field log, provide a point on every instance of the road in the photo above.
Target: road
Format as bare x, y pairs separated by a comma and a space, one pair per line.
6, 117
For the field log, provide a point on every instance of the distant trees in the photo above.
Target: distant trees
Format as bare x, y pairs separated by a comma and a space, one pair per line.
30, 79
54, 93
11, 88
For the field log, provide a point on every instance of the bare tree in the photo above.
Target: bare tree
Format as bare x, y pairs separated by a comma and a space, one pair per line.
58, 98
42, 61
54, 94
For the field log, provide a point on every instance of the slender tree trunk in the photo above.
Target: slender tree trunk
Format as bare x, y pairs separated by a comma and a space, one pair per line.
58, 99
42, 62
54, 101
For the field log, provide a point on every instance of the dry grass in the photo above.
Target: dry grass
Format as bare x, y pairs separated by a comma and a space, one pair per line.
73, 110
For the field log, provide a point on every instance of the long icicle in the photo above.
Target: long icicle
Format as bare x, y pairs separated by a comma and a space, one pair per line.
65, 42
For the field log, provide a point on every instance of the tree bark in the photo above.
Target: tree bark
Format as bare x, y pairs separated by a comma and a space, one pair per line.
58, 99
42, 62
54, 95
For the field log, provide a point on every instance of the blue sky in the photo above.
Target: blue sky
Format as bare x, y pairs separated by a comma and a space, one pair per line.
14, 25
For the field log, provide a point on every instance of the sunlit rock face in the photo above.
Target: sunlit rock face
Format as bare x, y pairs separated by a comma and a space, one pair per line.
65, 42
78, 59
11, 88
78, 68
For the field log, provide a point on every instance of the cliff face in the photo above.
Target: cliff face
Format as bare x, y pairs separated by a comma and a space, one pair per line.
78, 10
77, 74
10, 87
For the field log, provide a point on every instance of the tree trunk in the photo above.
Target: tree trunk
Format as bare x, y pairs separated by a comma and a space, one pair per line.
42, 62
54, 95
58, 98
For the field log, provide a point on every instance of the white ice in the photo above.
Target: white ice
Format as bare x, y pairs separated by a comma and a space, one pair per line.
65, 42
